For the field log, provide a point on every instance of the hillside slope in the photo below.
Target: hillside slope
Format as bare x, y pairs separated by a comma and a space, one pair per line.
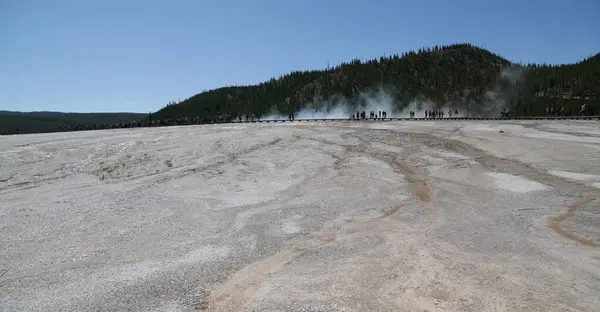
461, 75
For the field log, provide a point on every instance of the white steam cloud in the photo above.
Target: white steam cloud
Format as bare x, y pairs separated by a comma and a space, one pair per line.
339, 107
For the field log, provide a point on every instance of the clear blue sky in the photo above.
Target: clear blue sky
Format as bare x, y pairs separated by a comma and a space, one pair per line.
134, 55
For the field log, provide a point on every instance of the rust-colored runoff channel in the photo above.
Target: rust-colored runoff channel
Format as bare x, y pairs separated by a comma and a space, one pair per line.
556, 222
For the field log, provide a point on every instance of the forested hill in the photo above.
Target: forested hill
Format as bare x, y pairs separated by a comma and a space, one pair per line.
38, 122
461, 75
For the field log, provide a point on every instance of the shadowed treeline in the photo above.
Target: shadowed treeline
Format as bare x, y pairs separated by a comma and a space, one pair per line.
44, 122
40, 122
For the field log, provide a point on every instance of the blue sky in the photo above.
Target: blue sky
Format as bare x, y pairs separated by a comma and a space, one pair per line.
134, 55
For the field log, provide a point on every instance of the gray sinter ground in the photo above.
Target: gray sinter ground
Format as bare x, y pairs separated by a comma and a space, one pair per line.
389, 216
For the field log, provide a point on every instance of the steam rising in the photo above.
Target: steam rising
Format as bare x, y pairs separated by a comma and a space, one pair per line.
339, 107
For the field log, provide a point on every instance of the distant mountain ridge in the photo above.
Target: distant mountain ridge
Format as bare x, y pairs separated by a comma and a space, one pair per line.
46, 121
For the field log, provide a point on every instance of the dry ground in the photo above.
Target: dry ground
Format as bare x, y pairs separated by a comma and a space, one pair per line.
389, 216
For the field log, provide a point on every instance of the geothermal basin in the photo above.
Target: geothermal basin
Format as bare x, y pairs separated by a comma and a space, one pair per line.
332, 216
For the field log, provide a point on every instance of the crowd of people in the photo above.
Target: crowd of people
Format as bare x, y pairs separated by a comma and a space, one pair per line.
439, 113
372, 115
553, 112
429, 114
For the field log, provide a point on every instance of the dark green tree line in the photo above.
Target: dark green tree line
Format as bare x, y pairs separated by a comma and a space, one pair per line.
462, 75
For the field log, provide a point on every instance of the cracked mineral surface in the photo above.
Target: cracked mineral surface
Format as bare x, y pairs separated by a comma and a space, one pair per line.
330, 216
